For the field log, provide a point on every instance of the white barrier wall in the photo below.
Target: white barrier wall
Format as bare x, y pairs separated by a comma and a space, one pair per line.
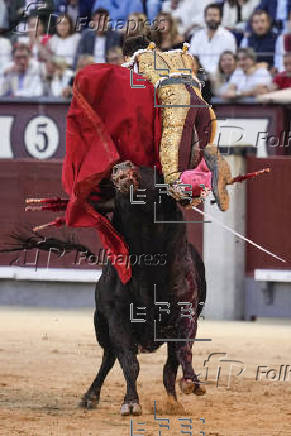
224, 254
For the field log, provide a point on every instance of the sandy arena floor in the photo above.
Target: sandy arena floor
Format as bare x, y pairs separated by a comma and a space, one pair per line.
49, 358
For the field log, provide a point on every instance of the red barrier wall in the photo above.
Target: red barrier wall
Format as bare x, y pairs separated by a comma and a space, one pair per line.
269, 213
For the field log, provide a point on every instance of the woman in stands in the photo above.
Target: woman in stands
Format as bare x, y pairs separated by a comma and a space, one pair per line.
64, 43
249, 79
166, 33
56, 77
226, 67
37, 40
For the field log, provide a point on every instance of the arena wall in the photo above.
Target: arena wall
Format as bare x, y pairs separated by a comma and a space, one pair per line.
33, 145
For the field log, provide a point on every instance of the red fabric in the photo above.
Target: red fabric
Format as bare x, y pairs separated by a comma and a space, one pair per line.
108, 121
282, 80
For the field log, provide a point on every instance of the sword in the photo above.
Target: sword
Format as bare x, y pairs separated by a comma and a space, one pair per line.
229, 229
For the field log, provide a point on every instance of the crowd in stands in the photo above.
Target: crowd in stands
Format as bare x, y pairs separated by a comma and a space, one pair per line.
241, 48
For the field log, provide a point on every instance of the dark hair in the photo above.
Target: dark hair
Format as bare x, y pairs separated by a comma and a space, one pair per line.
233, 3
260, 12
133, 44
226, 52
21, 46
248, 52
70, 21
101, 11
213, 6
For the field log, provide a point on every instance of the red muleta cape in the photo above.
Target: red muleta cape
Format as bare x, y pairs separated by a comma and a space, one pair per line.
109, 121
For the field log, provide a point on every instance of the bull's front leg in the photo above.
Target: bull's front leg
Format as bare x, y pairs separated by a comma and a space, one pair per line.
126, 351
186, 329
170, 370
130, 366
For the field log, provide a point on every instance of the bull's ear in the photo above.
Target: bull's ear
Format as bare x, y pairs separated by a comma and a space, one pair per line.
104, 206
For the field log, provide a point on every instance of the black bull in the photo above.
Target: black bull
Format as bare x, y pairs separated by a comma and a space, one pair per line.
165, 264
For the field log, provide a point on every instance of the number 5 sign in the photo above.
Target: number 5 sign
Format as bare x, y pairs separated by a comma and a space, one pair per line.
41, 137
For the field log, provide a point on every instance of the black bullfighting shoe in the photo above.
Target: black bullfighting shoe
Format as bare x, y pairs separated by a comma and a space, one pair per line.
221, 175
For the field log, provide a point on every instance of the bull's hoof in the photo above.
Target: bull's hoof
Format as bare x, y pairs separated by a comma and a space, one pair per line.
199, 390
89, 400
131, 408
125, 410
189, 386
136, 409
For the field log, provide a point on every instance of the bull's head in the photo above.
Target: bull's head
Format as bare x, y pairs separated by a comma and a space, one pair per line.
124, 175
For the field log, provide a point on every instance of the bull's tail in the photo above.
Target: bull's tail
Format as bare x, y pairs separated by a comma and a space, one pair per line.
37, 241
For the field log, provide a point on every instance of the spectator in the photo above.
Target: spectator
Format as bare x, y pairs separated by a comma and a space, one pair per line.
5, 45
82, 62
249, 79
236, 13
13, 10
188, 13
78, 10
36, 38
262, 40
120, 9
283, 79
5, 52
64, 44
167, 36
209, 43
56, 77
283, 45
41, 8
23, 77
226, 67
137, 24
97, 42
115, 56
278, 10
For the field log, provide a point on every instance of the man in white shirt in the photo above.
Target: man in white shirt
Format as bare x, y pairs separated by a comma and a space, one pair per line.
22, 78
248, 80
188, 13
209, 43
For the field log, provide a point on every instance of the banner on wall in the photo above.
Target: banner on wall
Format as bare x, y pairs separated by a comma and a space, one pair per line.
34, 129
